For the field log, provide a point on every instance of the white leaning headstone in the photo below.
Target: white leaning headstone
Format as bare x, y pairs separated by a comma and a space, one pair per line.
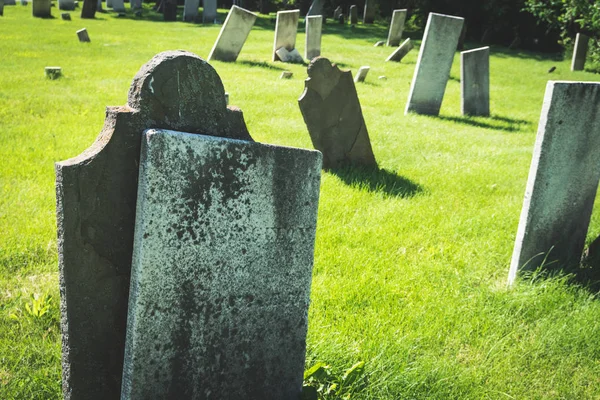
579, 52
209, 11
475, 82
314, 25
396, 27
190, 10
233, 35
401, 51
434, 63
285, 31
361, 75
563, 179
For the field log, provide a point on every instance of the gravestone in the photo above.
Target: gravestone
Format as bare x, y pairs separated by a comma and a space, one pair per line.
433, 64
286, 75
190, 10
579, 52
10, 2
41, 8
83, 36
53, 72
341, 19
316, 8
475, 82
118, 5
563, 179
67, 5
361, 75
369, 11
337, 12
169, 10
221, 271
136, 6
1, 8
209, 11
379, 43
233, 35
312, 47
96, 203
65, 16
396, 27
289, 56
89, 8
108, 3
285, 31
332, 113
401, 51
353, 15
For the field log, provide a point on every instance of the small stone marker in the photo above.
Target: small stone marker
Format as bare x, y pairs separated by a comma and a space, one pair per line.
233, 35
118, 6
53, 72
286, 75
433, 65
563, 179
401, 51
41, 8
289, 56
209, 11
285, 31
396, 27
332, 113
361, 75
353, 15
314, 25
341, 19
337, 12
369, 12
83, 36
89, 8
190, 10
96, 203
67, 5
475, 82
65, 16
379, 44
579, 52
382, 77
226, 98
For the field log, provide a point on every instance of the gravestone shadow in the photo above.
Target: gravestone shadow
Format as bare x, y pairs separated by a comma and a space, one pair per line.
375, 179
495, 122
587, 273
260, 64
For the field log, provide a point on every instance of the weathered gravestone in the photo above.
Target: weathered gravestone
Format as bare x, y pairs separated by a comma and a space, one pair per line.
433, 64
314, 25
316, 8
396, 27
222, 263
10, 2
1, 8
337, 12
293, 56
65, 16
67, 5
361, 75
401, 51
41, 8
118, 5
190, 10
53, 72
89, 8
579, 52
369, 11
169, 10
285, 31
563, 179
332, 113
475, 82
96, 203
233, 35
209, 11
83, 36
109, 3
136, 6
353, 15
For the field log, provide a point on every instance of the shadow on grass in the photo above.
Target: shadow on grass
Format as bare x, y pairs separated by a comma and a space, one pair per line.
587, 273
495, 122
260, 64
375, 179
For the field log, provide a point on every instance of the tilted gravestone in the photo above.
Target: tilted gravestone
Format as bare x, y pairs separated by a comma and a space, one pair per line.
563, 179
285, 31
67, 5
369, 11
190, 10
89, 8
222, 265
433, 64
475, 82
579, 52
209, 11
233, 35
353, 15
41, 8
96, 203
314, 26
333, 116
401, 51
361, 75
396, 27
337, 12
83, 36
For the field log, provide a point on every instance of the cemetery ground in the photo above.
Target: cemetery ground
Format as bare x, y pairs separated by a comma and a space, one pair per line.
411, 259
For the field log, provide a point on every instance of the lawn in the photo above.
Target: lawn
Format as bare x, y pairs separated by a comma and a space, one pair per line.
411, 261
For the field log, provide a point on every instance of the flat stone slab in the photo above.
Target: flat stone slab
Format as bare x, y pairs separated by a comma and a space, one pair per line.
579, 52
333, 116
222, 267
563, 179
314, 26
396, 27
401, 51
434, 63
475, 82
286, 28
361, 74
233, 35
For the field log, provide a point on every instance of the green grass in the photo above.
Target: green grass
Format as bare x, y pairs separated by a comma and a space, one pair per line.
410, 262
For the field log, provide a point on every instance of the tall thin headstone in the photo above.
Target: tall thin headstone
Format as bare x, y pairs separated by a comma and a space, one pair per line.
96, 203
41, 8
89, 8
353, 15
563, 179
233, 35
396, 27
433, 64
1, 8
337, 12
579, 52
190, 10
369, 11
316, 8
286, 28
475, 82
314, 25
209, 11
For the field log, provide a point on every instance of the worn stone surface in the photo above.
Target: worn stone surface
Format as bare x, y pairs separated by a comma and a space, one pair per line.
316, 8
337, 12
83, 36
286, 75
289, 56
579, 52
67, 5
190, 10
369, 11
96, 200
118, 5
233, 35
396, 27
433, 64
41, 8
1, 8
353, 15
361, 75
314, 26
89, 8
475, 82
401, 51
563, 179
136, 5
53, 72
333, 116
222, 264
285, 31
209, 11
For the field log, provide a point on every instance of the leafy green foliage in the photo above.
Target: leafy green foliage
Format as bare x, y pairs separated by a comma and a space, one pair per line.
320, 383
